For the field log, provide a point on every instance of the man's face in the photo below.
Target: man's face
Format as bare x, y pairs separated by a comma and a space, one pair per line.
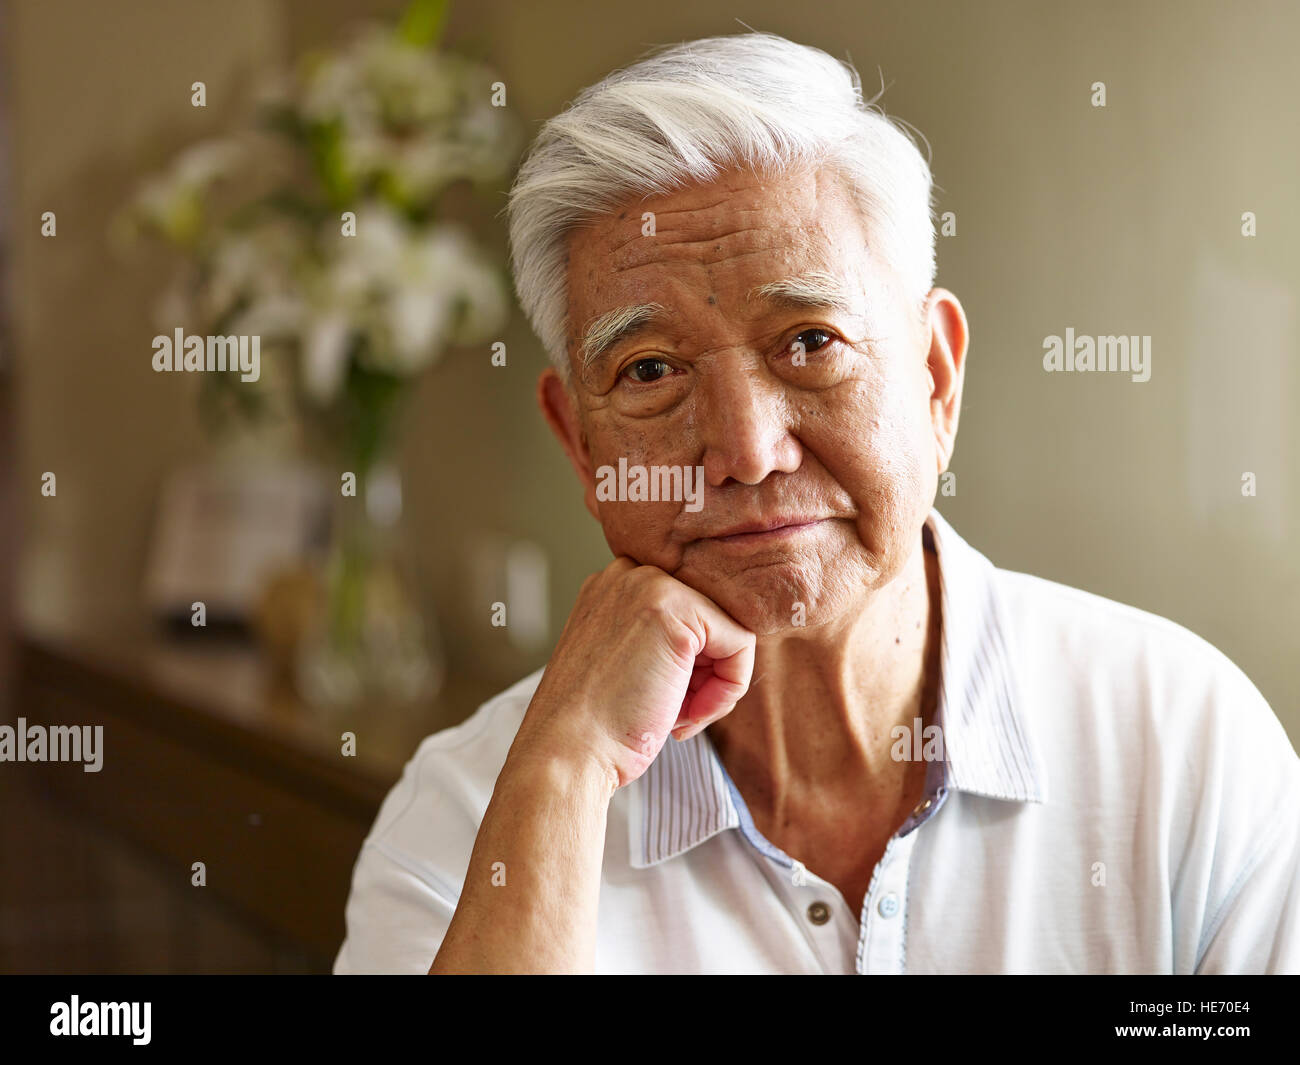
821, 419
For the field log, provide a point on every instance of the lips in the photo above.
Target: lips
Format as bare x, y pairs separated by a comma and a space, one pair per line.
765, 526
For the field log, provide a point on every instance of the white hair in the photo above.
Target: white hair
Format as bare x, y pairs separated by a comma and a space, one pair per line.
687, 114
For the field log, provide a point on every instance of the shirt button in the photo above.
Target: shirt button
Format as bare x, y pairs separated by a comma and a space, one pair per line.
888, 906
819, 913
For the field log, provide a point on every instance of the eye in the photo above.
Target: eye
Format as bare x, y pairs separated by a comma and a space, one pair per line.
646, 371
812, 340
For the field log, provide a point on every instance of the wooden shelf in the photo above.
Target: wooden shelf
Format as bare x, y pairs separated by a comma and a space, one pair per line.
206, 760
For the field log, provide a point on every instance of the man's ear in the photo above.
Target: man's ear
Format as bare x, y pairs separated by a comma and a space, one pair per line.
560, 409
946, 367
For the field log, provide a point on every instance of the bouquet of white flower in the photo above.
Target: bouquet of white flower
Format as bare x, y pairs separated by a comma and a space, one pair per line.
317, 228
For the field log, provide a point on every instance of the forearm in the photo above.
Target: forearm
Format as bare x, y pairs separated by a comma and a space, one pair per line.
533, 884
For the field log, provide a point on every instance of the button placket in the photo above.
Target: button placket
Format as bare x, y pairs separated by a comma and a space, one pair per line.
830, 928
880, 949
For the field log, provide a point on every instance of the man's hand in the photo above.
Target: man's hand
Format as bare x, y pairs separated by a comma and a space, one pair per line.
642, 656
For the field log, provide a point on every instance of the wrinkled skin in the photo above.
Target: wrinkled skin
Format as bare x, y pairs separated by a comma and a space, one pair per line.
854, 439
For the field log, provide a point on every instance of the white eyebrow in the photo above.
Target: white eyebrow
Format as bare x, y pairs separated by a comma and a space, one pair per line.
816, 289
612, 326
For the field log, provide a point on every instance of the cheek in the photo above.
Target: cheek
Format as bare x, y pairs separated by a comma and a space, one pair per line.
638, 528
610, 438
878, 453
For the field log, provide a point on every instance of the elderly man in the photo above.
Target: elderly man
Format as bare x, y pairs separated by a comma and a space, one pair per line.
886, 755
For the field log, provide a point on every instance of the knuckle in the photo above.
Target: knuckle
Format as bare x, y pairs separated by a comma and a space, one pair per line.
681, 640
657, 598
653, 610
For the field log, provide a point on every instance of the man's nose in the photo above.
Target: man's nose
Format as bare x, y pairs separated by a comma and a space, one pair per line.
744, 424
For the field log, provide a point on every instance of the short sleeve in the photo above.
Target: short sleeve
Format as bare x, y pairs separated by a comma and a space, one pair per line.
1258, 927
408, 878
396, 919
1251, 916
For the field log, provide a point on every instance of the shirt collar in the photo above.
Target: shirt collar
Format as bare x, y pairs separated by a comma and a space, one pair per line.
686, 796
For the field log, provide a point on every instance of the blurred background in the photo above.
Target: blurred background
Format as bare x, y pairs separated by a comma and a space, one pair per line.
264, 648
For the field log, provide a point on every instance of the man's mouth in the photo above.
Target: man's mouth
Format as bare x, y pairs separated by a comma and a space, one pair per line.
772, 530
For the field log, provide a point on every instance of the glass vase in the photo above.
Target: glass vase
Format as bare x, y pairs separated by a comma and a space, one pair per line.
373, 639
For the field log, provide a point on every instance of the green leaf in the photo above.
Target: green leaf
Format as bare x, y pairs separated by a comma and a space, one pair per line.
327, 156
422, 22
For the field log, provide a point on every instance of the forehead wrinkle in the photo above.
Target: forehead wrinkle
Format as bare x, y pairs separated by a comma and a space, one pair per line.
708, 250
662, 218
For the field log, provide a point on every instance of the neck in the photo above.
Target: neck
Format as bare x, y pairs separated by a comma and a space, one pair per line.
824, 699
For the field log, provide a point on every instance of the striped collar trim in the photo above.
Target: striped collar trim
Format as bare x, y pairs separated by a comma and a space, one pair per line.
685, 797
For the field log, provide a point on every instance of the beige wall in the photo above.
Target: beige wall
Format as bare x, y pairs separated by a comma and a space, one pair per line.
101, 95
1122, 220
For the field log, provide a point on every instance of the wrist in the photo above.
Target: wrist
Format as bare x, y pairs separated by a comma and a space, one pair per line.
562, 764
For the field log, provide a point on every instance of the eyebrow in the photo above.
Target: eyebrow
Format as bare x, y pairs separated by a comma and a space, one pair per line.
816, 289
617, 325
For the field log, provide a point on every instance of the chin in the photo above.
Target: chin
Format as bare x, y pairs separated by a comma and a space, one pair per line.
770, 600
764, 623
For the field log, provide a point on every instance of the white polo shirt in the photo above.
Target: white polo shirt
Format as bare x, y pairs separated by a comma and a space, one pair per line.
1115, 796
